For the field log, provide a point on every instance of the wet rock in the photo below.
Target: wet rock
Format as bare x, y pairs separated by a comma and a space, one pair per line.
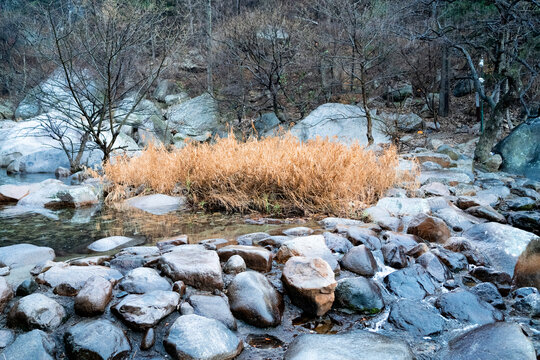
12, 193
186, 309
172, 241
526, 220
310, 284
337, 243
35, 344
500, 244
157, 204
524, 191
254, 300
500, 279
521, 204
434, 267
363, 236
213, 307
435, 189
96, 339
527, 301
360, 260
194, 265
405, 206
146, 311
215, 244
4, 271
68, 280
457, 219
454, 260
36, 311
142, 280
234, 265
412, 282
429, 228
94, 297
148, 339
272, 242
27, 287
465, 306
188, 339
418, 250
489, 293
463, 246
419, 318
179, 287
407, 241
486, 212
501, 340
256, 258
527, 271
308, 246
359, 294
248, 239
394, 255
110, 243
20, 255
465, 202
356, 344
6, 337
91, 260
298, 231
450, 177
6, 293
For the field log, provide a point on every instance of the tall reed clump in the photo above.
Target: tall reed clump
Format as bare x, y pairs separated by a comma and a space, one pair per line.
276, 175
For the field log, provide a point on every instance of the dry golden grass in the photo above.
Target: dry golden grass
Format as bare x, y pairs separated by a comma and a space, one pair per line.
277, 175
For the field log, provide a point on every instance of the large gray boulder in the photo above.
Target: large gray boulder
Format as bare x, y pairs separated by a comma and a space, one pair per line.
354, 345
196, 119
54, 194
338, 122
35, 344
19, 255
520, 150
36, 311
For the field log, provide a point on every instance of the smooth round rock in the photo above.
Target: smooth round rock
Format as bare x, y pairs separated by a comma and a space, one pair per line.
33, 345
359, 294
465, 306
253, 299
234, 265
360, 260
418, 318
94, 297
96, 339
148, 339
197, 337
142, 280
36, 311
214, 307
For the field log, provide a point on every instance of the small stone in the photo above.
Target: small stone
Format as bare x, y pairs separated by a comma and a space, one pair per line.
249, 239
179, 287
527, 301
94, 297
394, 255
148, 339
363, 236
186, 309
256, 258
4, 271
310, 284
172, 242
110, 243
298, 231
235, 265
360, 260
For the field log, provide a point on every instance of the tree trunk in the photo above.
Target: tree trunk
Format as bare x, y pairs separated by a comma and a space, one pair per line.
489, 136
369, 132
444, 91
209, 75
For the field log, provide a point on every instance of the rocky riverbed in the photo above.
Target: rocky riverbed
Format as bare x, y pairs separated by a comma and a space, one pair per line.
451, 271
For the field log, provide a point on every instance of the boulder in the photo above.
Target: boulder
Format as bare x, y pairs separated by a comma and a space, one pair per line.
310, 284
196, 118
165, 87
412, 282
457, 219
489, 293
188, 338
213, 307
146, 310
500, 340
142, 280
266, 123
418, 318
96, 339
309, 246
463, 87
357, 345
367, 237
520, 150
254, 300
330, 223
338, 122
234, 265
298, 231
337, 243
169, 243
54, 194
36, 311
194, 265
466, 307
404, 206
94, 297
35, 344
68, 280
526, 220
486, 212
442, 159
394, 255
10, 193
19, 255
250, 239
360, 260
398, 94
527, 270
500, 279
360, 295
157, 204
429, 228
500, 244
526, 301
405, 122
434, 267
256, 258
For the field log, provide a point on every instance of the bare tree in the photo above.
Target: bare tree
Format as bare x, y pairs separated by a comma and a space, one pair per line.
106, 50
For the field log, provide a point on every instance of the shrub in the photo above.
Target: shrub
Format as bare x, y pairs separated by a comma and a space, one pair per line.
276, 175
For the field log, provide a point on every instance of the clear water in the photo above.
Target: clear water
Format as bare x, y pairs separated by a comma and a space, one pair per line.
70, 231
